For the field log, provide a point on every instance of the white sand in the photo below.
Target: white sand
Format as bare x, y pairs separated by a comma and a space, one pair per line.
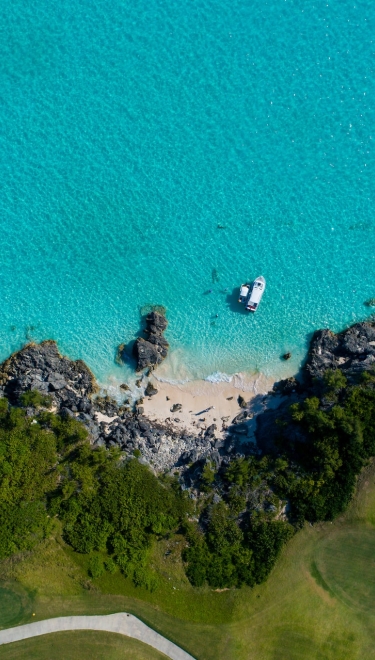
197, 396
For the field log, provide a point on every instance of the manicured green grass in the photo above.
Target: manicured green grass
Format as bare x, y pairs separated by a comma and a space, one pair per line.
316, 605
15, 604
80, 645
346, 561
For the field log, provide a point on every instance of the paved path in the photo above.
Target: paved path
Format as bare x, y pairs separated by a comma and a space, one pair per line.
125, 624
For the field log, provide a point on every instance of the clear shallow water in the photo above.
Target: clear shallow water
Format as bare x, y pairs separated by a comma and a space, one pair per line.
130, 131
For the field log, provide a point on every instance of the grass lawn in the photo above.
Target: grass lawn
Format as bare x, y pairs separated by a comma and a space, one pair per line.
316, 605
83, 644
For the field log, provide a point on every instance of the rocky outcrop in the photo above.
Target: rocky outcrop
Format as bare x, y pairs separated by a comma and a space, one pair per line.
151, 351
352, 351
150, 390
41, 367
72, 387
73, 391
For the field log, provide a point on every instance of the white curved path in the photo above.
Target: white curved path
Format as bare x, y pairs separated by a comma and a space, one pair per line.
122, 623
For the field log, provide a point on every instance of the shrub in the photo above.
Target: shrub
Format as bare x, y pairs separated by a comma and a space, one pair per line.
110, 565
96, 566
35, 399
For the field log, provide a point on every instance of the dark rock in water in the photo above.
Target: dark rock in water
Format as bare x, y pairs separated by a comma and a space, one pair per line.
124, 386
176, 407
150, 390
322, 353
156, 323
287, 356
151, 351
149, 354
241, 401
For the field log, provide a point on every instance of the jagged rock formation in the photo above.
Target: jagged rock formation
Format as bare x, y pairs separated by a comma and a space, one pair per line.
151, 351
352, 351
72, 386
41, 367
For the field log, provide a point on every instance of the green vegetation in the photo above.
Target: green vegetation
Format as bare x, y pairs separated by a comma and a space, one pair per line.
82, 645
114, 509
308, 608
336, 439
108, 535
28, 472
15, 604
35, 399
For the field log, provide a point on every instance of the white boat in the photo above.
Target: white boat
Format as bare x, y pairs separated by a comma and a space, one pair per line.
244, 292
255, 294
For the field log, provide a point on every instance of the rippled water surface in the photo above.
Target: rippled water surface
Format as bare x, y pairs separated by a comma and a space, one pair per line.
131, 131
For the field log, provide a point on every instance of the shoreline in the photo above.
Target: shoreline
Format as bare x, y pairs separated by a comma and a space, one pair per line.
204, 402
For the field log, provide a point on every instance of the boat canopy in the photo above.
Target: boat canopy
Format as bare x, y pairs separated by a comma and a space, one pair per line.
256, 293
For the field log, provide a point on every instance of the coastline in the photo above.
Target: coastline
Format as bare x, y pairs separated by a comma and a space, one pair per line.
204, 402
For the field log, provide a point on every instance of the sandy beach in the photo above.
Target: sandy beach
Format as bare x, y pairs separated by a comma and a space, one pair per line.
203, 402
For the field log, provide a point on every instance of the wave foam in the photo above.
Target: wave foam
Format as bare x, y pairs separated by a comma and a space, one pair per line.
171, 381
219, 377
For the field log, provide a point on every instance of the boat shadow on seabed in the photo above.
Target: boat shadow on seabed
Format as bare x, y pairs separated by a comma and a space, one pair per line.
233, 304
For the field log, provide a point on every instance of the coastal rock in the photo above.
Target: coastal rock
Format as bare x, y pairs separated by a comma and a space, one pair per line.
241, 401
156, 323
164, 446
240, 417
210, 431
150, 390
151, 351
286, 386
41, 367
352, 351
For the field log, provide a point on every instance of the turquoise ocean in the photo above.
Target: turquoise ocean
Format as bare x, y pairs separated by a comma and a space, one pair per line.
131, 131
